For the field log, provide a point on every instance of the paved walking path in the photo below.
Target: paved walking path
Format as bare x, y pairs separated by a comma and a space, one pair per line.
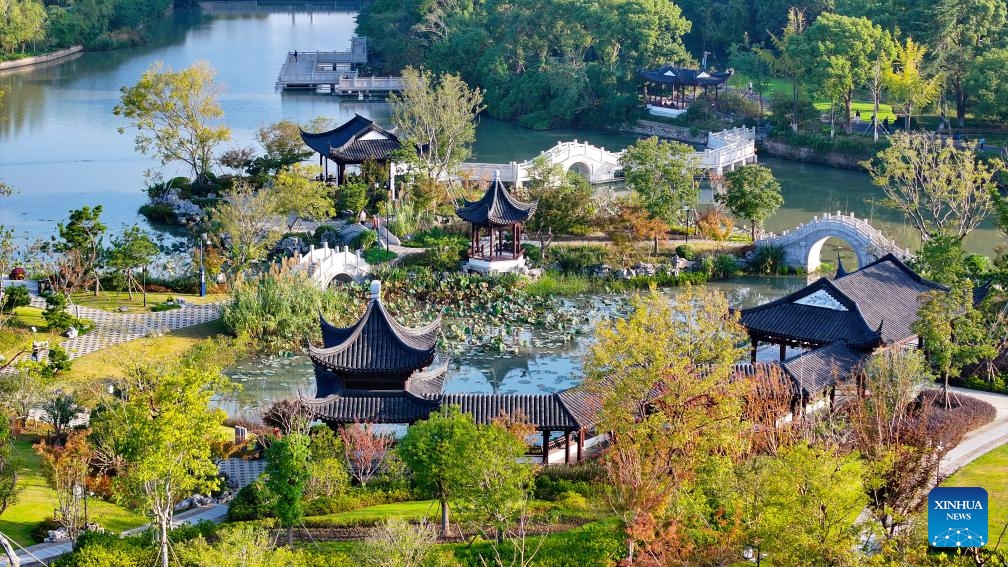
116, 328
979, 441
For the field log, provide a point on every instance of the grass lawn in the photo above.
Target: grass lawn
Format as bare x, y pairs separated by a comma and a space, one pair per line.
113, 300
885, 111
741, 81
37, 501
988, 472
108, 362
16, 334
413, 510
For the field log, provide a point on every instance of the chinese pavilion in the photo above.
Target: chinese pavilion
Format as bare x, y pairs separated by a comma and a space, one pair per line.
839, 323
669, 85
380, 371
357, 141
499, 214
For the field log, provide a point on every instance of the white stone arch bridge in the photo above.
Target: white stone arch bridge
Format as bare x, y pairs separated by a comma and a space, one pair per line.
803, 245
326, 265
725, 151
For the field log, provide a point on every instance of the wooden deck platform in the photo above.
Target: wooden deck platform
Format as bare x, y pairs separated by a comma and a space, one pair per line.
334, 72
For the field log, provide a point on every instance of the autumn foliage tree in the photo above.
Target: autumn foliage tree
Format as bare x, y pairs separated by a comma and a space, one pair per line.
364, 449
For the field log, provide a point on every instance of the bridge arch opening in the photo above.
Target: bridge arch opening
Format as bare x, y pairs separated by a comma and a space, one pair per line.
340, 279
825, 251
581, 168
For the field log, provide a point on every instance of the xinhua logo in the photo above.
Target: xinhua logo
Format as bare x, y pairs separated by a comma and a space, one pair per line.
957, 516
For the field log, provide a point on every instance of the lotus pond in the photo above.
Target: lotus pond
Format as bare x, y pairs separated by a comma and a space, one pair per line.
493, 358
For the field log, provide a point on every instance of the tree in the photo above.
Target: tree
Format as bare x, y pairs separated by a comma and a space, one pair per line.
9, 466
436, 116
941, 259
941, 188
664, 380
364, 450
752, 194
352, 197
240, 545
746, 60
437, 450
82, 235
629, 224
244, 218
837, 52
282, 140
24, 389
286, 476
812, 498
565, 202
953, 332
298, 195
66, 470
786, 62
988, 86
663, 174
160, 429
905, 80
131, 250
288, 416
173, 113
21, 22
60, 409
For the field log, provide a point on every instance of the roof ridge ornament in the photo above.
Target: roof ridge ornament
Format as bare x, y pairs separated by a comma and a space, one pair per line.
375, 290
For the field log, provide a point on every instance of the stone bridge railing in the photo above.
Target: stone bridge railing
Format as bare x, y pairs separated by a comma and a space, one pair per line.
323, 265
803, 244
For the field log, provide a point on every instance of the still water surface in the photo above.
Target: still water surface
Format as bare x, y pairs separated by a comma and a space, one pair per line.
60, 146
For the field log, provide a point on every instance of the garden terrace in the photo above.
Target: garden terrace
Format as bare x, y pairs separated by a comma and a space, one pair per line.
356, 141
498, 212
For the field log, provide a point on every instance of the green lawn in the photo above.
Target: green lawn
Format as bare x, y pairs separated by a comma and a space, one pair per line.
885, 111
16, 334
37, 501
989, 472
413, 510
113, 300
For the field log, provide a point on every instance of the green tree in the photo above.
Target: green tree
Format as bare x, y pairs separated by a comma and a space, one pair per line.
287, 468
174, 112
9, 466
82, 237
24, 389
21, 22
752, 194
240, 545
133, 249
812, 499
397, 543
436, 117
298, 195
987, 84
566, 203
939, 186
953, 332
161, 427
839, 51
746, 60
352, 197
245, 216
906, 82
66, 469
663, 174
784, 58
438, 451
942, 259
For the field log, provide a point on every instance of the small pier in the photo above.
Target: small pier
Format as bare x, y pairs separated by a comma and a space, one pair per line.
334, 72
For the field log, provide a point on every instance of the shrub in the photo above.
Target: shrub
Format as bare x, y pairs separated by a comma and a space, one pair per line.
575, 259
726, 266
327, 232
365, 240
40, 531
949, 426
378, 255
159, 213
443, 254
768, 260
13, 297
686, 252
978, 264
533, 255
59, 360
251, 503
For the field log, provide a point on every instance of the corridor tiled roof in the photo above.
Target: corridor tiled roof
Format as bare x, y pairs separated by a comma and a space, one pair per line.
496, 207
817, 369
679, 76
354, 141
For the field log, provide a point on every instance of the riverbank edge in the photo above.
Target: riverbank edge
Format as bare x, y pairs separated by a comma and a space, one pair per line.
40, 59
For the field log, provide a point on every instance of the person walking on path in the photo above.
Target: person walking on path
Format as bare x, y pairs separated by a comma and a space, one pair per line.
981, 143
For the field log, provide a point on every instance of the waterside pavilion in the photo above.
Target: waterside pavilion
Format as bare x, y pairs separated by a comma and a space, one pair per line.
379, 371
354, 142
837, 324
668, 97
498, 212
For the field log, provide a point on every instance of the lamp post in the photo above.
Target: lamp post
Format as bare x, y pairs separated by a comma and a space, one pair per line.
202, 269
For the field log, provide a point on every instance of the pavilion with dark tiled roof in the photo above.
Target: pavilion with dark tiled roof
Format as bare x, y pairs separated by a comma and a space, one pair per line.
380, 371
840, 322
356, 141
669, 84
499, 213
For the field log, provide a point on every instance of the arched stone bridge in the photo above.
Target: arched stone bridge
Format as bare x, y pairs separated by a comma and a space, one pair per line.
725, 151
803, 245
326, 265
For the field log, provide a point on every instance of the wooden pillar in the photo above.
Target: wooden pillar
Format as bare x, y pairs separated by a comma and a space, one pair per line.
580, 450
340, 173
326, 168
514, 239
783, 352
755, 343
545, 446
567, 440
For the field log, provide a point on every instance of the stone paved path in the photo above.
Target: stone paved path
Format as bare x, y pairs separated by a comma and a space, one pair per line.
115, 328
980, 441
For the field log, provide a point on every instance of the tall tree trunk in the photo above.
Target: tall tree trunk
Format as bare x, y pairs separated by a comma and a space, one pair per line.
794, 105
875, 103
444, 516
847, 105
290, 536
754, 231
163, 529
960, 95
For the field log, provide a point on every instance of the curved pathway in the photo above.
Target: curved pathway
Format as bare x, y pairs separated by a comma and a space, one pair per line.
979, 441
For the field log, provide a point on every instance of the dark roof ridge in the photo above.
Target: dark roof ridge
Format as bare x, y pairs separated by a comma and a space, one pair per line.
399, 332
889, 257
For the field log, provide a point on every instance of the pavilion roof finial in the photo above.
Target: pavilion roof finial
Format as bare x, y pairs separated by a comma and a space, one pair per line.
375, 290
496, 175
